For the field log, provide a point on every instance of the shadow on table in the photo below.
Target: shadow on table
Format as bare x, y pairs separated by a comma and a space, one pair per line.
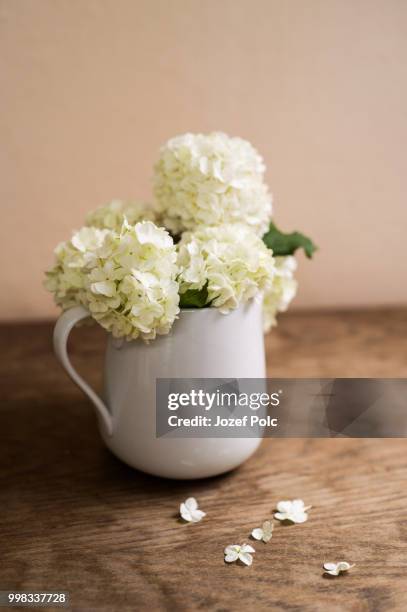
52, 450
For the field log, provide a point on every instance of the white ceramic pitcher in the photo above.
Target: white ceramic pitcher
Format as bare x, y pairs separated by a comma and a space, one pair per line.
203, 343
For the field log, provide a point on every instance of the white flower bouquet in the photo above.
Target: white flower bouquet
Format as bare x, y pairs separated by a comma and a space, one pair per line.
207, 240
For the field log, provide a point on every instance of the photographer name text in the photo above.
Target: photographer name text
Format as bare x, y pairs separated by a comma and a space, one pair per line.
204, 421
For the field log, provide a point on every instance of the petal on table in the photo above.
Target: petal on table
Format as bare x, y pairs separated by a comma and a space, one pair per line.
300, 517
257, 534
343, 566
246, 548
231, 556
281, 516
329, 566
191, 503
246, 558
231, 548
197, 515
185, 513
297, 505
284, 506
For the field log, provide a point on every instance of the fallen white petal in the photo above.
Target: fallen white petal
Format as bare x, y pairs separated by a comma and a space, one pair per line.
257, 534
334, 569
297, 505
197, 515
329, 566
268, 527
191, 503
185, 513
343, 566
246, 548
246, 558
299, 518
284, 506
231, 548
231, 556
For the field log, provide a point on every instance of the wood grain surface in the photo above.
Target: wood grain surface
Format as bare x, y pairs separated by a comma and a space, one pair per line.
74, 518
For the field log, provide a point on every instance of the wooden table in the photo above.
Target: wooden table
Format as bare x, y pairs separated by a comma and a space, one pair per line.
74, 518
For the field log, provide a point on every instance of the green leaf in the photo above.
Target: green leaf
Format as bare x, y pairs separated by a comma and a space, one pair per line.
194, 298
287, 244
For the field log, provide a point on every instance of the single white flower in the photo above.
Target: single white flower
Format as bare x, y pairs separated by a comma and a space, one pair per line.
235, 552
148, 233
230, 260
113, 214
334, 569
264, 533
294, 511
210, 179
88, 239
281, 292
190, 512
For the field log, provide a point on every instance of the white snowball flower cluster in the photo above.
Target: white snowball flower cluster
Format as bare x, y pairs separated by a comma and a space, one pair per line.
210, 180
283, 290
127, 280
210, 193
67, 279
113, 214
230, 260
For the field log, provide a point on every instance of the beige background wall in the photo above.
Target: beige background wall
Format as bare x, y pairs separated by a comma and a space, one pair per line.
91, 88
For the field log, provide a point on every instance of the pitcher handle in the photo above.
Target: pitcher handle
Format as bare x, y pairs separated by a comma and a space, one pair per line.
62, 329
